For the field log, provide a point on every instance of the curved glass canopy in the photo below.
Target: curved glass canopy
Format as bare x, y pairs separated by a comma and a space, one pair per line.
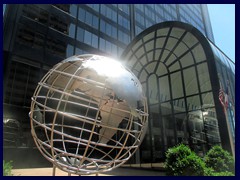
179, 71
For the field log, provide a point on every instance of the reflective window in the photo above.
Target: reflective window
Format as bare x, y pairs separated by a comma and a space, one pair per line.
193, 103
81, 14
176, 82
139, 7
94, 42
87, 37
69, 50
164, 88
181, 126
78, 51
108, 29
146, 143
149, 12
71, 30
210, 125
73, 10
108, 12
120, 50
95, 22
155, 117
204, 79
190, 81
149, 23
207, 99
166, 109
157, 142
140, 19
88, 18
199, 53
179, 105
183, 80
80, 34
124, 8
169, 126
102, 44
187, 59
152, 89
122, 36
102, 25
138, 30
195, 127
94, 6
174, 66
123, 22
108, 47
90, 39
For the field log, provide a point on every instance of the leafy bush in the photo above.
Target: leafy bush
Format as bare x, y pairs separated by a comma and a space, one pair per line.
219, 160
7, 168
210, 172
181, 161
226, 173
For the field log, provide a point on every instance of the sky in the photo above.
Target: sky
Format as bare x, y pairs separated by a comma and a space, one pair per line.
222, 18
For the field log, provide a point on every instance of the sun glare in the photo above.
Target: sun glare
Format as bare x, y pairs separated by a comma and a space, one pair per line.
105, 66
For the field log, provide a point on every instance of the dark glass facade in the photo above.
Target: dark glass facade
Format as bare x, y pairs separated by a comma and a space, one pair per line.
36, 37
180, 70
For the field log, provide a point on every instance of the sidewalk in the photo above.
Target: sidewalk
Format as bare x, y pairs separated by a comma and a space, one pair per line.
116, 172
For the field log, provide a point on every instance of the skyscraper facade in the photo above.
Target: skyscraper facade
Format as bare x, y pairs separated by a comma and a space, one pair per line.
36, 37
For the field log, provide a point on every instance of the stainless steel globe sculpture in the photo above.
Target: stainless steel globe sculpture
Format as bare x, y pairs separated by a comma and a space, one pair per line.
88, 114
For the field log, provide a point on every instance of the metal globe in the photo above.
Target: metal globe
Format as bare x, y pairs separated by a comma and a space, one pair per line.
88, 114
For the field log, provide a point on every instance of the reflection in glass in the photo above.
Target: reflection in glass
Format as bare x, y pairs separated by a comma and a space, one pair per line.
152, 89
176, 82
179, 105
80, 34
164, 88
166, 108
190, 81
202, 126
207, 99
71, 30
204, 80
199, 53
69, 50
193, 103
181, 127
73, 10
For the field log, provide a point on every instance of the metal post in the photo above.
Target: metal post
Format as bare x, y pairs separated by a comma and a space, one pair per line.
54, 170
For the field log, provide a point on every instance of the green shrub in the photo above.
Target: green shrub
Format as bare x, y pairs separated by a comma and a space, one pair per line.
219, 160
226, 173
210, 172
181, 161
7, 168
